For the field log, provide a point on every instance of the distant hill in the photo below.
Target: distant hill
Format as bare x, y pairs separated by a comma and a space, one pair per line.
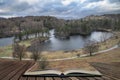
11, 26
105, 16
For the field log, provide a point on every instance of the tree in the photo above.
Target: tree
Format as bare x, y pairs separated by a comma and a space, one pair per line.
119, 44
103, 37
36, 53
91, 46
19, 51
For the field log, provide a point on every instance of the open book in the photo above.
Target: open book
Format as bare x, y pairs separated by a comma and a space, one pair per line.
74, 72
66, 72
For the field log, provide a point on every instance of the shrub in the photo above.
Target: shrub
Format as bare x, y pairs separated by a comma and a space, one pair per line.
43, 63
91, 47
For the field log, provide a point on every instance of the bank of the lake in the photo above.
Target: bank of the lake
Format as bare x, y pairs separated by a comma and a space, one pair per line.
73, 43
56, 44
7, 50
67, 54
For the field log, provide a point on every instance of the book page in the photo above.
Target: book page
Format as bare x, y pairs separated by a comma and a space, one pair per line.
82, 71
65, 67
44, 72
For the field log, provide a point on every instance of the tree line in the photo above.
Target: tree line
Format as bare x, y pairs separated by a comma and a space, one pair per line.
23, 27
89, 24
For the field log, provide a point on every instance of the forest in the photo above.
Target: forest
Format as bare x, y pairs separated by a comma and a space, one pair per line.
22, 27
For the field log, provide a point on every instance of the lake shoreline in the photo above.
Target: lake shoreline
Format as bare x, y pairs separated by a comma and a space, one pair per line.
73, 53
7, 50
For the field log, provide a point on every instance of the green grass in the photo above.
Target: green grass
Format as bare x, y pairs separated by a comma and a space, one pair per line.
6, 51
27, 43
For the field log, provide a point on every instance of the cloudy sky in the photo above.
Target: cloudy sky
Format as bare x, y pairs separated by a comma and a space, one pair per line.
58, 8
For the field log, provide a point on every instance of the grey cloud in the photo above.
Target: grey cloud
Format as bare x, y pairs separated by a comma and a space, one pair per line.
54, 8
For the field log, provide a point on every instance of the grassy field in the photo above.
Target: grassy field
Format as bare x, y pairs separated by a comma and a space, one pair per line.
106, 57
110, 56
6, 51
61, 54
110, 42
83, 63
68, 64
27, 43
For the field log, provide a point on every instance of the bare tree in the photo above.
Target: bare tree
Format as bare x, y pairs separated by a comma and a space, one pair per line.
36, 53
91, 46
104, 37
19, 51
119, 44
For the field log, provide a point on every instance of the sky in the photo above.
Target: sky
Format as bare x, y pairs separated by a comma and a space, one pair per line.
58, 8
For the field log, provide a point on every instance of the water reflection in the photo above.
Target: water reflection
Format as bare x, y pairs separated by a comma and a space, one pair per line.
75, 42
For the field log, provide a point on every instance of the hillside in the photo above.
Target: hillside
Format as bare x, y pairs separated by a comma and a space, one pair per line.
21, 26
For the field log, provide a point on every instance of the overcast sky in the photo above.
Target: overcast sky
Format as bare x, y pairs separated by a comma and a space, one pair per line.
58, 8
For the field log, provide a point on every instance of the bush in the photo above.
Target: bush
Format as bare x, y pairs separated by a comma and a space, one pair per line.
91, 47
43, 63
78, 55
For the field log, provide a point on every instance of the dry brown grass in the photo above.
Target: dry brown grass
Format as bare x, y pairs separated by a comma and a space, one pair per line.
58, 54
110, 42
82, 63
61, 54
110, 56
70, 64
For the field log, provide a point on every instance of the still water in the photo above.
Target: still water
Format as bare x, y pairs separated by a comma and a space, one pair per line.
54, 44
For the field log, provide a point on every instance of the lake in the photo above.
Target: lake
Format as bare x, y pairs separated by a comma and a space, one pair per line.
54, 44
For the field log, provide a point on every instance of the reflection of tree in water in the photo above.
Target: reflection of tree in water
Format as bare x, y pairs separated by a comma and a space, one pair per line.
53, 44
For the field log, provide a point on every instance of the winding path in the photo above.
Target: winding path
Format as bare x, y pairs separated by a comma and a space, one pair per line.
83, 55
